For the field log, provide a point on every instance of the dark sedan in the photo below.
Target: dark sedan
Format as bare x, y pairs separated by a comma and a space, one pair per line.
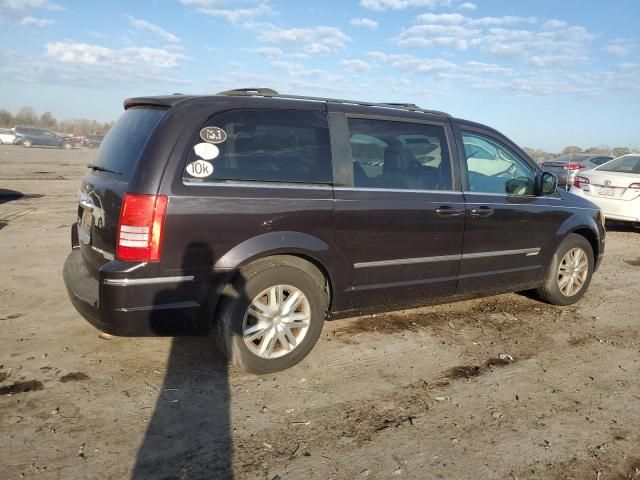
31, 136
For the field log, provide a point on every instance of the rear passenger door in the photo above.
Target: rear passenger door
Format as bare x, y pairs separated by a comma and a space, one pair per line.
399, 214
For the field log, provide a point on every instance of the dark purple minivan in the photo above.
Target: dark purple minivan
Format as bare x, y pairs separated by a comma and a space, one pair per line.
255, 216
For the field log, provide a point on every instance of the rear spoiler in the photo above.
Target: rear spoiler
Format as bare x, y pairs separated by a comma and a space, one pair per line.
167, 101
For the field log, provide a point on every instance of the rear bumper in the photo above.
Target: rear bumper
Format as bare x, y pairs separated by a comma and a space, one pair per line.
132, 307
619, 210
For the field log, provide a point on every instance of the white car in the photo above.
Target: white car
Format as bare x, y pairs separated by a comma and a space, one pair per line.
614, 187
7, 136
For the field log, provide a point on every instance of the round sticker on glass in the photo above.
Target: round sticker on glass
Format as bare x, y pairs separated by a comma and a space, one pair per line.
206, 151
200, 169
213, 134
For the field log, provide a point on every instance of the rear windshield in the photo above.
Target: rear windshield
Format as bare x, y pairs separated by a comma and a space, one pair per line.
122, 146
626, 164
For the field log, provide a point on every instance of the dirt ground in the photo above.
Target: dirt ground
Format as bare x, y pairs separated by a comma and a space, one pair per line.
419, 394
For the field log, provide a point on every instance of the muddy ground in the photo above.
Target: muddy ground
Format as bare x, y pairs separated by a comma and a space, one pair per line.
419, 394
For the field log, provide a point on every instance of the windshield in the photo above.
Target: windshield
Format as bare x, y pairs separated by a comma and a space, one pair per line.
122, 146
626, 164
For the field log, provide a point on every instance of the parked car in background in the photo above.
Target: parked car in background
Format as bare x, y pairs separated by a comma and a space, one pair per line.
32, 136
566, 167
614, 187
94, 140
7, 137
257, 216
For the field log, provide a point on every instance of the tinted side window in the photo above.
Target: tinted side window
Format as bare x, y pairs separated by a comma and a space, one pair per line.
399, 155
494, 168
264, 145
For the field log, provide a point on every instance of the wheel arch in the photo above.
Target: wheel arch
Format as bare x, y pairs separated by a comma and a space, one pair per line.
294, 246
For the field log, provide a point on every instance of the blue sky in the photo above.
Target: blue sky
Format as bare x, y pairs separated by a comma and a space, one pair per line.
547, 73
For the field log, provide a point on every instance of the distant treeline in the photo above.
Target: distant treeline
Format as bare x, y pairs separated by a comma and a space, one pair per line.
540, 155
27, 116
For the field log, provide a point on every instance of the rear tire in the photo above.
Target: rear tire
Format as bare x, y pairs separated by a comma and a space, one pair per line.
27, 144
280, 343
67, 146
569, 274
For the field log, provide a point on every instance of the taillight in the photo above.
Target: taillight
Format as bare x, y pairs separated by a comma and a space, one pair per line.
141, 227
578, 180
635, 186
574, 166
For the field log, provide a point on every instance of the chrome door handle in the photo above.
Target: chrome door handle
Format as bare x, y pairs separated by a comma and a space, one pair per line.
483, 211
448, 211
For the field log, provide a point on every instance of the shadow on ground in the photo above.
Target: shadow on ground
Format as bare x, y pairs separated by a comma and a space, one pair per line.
189, 434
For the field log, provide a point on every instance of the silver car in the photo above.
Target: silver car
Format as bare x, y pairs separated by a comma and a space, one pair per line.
566, 167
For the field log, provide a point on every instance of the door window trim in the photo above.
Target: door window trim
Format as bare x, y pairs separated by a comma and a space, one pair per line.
342, 155
459, 129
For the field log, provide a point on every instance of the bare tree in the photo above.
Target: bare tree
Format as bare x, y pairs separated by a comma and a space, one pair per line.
571, 150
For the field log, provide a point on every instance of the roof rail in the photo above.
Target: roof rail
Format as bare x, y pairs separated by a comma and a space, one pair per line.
268, 92
249, 91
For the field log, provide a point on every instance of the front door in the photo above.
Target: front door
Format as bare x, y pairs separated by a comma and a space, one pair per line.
399, 223
507, 226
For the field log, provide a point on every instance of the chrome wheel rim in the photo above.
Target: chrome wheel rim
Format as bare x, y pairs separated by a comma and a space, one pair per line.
573, 272
276, 321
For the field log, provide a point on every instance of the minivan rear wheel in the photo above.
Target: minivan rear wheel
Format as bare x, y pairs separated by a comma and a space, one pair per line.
27, 143
271, 316
569, 274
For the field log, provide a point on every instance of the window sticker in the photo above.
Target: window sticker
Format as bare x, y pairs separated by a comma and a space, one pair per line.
213, 134
206, 151
200, 169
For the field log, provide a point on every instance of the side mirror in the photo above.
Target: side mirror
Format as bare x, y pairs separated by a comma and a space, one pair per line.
548, 183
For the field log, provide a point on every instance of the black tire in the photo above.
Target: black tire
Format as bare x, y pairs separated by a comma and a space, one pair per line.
67, 146
248, 284
27, 144
550, 291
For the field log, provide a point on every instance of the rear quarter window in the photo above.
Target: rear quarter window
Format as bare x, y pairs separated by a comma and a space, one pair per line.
122, 146
262, 145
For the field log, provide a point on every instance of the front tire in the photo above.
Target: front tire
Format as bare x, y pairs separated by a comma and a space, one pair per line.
27, 144
569, 275
271, 316
67, 146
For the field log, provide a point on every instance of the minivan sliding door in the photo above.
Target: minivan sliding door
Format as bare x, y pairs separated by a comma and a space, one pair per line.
398, 219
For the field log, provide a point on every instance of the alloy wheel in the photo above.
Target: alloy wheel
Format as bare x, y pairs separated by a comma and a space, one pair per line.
573, 272
276, 321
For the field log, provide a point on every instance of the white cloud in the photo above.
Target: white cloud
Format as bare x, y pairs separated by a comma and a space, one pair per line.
620, 47
467, 6
355, 65
451, 30
87, 54
364, 22
506, 20
299, 71
543, 47
267, 52
150, 27
440, 18
413, 63
555, 24
20, 10
377, 56
319, 39
481, 67
97, 69
35, 22
381, 5
431, 35
217, 8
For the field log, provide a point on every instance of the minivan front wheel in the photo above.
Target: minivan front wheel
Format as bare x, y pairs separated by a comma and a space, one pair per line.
271, 316
27, 143
569, 274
